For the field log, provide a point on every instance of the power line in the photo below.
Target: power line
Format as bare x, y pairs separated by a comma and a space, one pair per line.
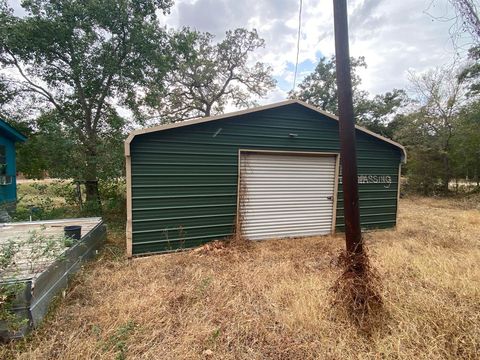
298, 43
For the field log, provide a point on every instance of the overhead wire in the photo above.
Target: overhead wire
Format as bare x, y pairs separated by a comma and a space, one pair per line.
298, 43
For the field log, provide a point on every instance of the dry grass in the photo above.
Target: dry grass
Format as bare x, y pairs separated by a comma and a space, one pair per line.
272, 300
358, 293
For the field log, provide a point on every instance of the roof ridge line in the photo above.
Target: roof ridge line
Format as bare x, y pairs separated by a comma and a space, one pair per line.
163, 127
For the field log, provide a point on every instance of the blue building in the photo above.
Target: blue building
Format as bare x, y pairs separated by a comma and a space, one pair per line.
8, 187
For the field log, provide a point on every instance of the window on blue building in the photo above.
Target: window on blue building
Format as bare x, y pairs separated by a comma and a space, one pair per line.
3, 160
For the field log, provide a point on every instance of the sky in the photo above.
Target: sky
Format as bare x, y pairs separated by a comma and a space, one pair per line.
394, 36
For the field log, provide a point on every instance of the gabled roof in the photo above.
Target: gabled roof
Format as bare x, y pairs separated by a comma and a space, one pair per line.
249, 111
10, 132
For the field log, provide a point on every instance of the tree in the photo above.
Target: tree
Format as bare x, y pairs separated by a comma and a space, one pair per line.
464, 20
471, 74
468, 13
320, 87
378, 114
80, 59
430, 129
466, 144
424, 167
61, 151
207, 76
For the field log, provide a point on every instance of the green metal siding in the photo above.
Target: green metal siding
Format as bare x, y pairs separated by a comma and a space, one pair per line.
184, 180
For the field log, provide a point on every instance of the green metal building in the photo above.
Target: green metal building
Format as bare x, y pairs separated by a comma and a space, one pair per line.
270, 171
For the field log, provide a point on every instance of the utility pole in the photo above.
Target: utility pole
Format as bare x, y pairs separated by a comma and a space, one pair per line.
348, 151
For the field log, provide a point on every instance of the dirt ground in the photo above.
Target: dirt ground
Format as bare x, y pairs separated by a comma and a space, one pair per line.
273, 299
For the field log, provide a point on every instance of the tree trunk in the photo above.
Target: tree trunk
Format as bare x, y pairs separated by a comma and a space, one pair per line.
91, 179
446, 177
208, 110
91, 191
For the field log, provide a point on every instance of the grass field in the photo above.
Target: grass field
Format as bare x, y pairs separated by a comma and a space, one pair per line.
272, 299
56, 199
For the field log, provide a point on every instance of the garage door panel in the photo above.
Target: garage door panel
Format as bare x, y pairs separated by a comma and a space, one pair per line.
269, 182
295, 173
291, 165
286, 217
298, 175
281, 213
284, 234
259, 225
287, 195
288, 228
274, 196
282, 208
298, 188
291, 203
286, 160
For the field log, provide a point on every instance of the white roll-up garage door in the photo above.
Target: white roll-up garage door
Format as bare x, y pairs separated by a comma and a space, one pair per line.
286, 195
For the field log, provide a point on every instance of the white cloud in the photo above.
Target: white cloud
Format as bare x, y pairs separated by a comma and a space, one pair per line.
394, 36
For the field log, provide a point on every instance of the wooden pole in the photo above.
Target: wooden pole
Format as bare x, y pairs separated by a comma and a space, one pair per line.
348, 151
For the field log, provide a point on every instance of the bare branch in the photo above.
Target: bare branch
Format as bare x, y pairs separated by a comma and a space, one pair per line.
37, 88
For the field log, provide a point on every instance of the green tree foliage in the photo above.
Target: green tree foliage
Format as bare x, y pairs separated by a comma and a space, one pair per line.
378, 114
466, 144
424, 167
430, 130
441, 131
320, 87
207, 75
438, 122
471, 74
79, 59
53, 150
